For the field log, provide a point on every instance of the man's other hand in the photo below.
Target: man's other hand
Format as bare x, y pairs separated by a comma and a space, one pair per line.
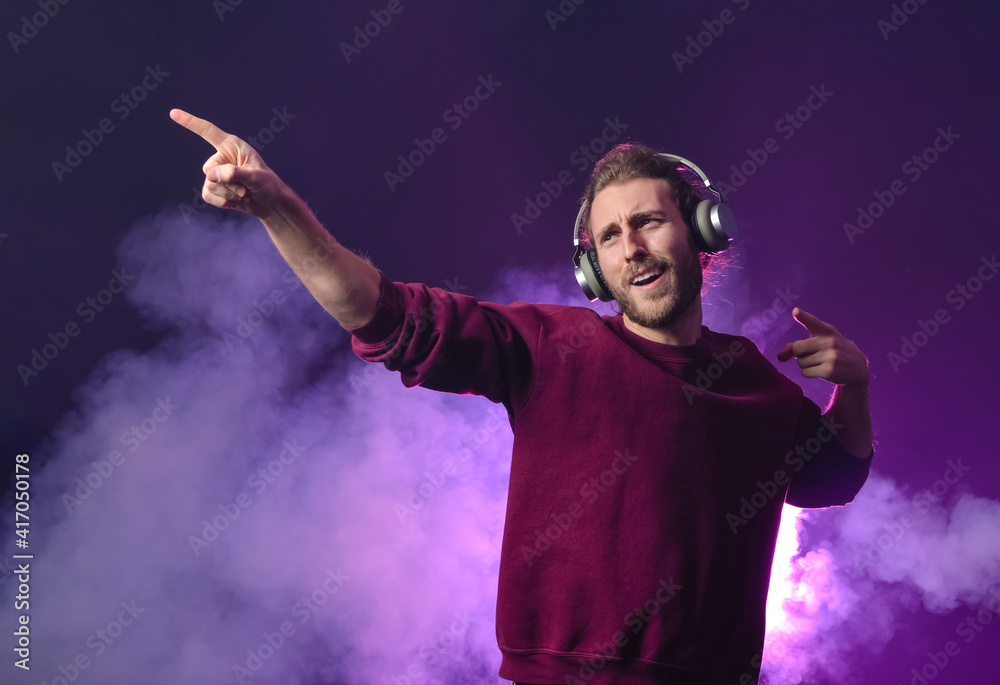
826, 353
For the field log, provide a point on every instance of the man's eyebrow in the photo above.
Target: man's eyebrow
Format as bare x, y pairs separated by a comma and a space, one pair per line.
633, 219
645, 214
601, 232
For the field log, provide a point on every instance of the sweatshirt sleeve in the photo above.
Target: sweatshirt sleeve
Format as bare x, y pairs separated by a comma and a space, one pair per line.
450, 342
828, 474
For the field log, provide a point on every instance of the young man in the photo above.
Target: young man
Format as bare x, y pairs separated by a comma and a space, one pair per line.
644, 500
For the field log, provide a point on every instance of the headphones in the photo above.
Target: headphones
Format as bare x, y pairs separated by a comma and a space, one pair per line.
711, 221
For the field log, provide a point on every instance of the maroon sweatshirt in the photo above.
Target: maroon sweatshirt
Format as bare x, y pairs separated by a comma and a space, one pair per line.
646, 482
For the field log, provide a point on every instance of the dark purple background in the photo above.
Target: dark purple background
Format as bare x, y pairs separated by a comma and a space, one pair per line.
451, 221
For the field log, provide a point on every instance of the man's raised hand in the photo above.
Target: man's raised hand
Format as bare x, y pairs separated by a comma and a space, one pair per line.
826, 353
235, 176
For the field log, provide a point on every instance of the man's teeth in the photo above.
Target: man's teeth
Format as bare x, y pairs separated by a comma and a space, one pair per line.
648, 278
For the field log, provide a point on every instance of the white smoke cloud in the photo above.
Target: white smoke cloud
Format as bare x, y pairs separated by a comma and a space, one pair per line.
873, 565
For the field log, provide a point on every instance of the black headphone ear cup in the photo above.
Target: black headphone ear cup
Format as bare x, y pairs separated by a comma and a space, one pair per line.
591, 279
714, 225
696, 232
602, 290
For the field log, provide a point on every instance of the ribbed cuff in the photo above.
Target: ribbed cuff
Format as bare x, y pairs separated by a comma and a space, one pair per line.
388, 318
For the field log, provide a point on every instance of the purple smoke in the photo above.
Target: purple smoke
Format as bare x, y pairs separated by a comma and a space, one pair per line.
248, 502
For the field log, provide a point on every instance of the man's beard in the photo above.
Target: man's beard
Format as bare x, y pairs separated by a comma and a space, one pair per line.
670, 308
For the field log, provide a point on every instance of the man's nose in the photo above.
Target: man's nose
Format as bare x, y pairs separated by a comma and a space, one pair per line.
634, 245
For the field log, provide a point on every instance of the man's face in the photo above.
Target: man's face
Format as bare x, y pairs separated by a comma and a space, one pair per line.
644, 249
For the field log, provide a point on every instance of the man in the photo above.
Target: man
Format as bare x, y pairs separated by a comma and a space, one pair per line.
644, 502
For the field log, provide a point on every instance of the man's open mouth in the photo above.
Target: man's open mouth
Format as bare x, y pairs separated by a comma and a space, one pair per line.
647, 277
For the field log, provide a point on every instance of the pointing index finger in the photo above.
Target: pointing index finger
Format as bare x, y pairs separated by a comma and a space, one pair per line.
206, 129
812, 324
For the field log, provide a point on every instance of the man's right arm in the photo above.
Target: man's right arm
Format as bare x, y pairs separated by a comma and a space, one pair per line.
236, 177
345, 285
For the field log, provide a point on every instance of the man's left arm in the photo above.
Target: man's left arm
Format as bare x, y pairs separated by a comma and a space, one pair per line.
829, 355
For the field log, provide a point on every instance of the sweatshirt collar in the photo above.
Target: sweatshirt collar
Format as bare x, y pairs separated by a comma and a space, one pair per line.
657, 350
